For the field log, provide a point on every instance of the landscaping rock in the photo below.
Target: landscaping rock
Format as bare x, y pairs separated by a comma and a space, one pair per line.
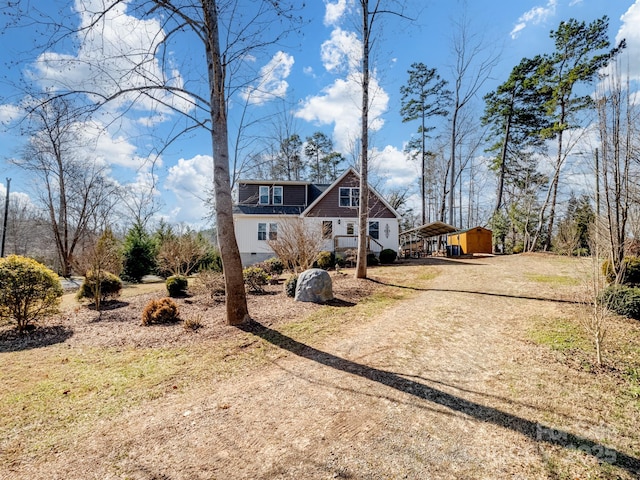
314, 285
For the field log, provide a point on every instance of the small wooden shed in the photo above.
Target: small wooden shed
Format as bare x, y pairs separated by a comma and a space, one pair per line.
473, 240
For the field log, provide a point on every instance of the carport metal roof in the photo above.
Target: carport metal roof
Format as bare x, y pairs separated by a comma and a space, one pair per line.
428, 230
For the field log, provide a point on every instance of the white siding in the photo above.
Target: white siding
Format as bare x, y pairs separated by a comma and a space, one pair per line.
252, 249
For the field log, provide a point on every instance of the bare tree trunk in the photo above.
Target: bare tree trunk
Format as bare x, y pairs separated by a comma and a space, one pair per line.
361, 263
235, 295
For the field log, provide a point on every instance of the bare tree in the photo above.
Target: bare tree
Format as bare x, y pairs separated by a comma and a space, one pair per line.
71, 186
618, 126
370, 11
474, 62
230, 33
298, 243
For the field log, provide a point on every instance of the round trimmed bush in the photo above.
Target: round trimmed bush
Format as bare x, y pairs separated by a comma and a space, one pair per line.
255, 278
273, 266
623, 300
177, 285
372, 260
290, 286
28, 290
630, 273
164, 310
326, 260
110, 286
388, 256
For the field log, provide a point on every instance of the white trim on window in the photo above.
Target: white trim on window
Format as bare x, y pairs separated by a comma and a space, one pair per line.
277, 195
349, 196
263, 198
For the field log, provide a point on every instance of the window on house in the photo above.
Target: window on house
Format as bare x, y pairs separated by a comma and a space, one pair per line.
273, 231
327, 229
262, 231
374, 230
264, 195
351, 228
349, 196
277, 195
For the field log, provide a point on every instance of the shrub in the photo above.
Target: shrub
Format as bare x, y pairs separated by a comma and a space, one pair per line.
109, 287
255, 278
211, 261
372, 260
630, 272
623, 300
210, 283
139, 254
518, 248
192, 323
164, 310
388, 256
177, 286
28, 290
290, 286
325, 260
273, 266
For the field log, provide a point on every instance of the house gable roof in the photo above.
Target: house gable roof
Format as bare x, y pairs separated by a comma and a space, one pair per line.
338, 181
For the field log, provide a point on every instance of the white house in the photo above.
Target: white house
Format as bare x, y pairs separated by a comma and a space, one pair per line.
331, 208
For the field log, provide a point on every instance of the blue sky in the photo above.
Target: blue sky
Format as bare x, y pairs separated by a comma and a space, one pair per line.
314, 72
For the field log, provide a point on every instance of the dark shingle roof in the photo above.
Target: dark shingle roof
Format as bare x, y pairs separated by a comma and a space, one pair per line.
267, 210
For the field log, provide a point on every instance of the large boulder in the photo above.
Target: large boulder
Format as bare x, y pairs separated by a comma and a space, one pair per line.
314, 285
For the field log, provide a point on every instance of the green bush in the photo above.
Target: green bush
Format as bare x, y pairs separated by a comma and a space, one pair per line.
164, 310
388, 256
623, 300
518, 248
273, 266
326, 260
255, 278
177, 285
211, 261
110, 286
28, 290
630, 273
290, 286
139, 255
372, 260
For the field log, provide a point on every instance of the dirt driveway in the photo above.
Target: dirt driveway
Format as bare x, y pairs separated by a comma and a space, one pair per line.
444, 384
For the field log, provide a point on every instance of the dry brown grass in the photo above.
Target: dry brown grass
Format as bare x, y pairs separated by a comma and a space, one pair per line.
471, 368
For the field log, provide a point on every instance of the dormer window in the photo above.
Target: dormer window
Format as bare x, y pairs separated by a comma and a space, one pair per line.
270, 195
277, 195
264, 195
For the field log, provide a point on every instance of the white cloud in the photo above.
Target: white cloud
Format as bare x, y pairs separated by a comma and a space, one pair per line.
271, 80
575, 2
335, 11
116, 52
9, 114
190, 180
629, 30
339, 104
342, 52
535, 16
396, 169
109, 150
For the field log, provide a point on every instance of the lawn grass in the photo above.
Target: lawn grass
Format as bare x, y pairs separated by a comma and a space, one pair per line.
562, 280
54, 395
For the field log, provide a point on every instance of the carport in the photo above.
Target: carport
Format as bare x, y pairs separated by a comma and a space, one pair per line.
427, 239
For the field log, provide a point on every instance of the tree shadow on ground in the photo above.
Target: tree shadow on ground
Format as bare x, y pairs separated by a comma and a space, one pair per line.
475, 292
533, 430
14, 341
